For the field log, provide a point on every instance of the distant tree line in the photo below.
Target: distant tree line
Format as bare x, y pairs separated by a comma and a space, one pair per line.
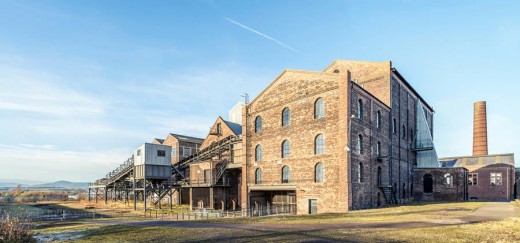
18, 195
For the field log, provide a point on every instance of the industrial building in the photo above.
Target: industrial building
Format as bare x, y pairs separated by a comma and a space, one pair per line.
490, 177
355, 135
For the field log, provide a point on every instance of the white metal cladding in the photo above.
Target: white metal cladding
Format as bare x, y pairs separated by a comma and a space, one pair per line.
149, 154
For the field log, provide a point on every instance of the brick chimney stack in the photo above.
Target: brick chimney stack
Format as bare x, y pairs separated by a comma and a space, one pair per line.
480, 146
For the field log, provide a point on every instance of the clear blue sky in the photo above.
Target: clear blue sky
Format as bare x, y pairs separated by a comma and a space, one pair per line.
83, 83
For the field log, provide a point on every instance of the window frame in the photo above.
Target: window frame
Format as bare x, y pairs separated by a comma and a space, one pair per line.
319, 108
495, 178
286, 117
319, 148
258, 153
360, 172
286, 174
448, 180
359, 147
258, 124
286, 149
359, 111
258, 176
184, 151
378, 119
161, 153
319, 172
474, 179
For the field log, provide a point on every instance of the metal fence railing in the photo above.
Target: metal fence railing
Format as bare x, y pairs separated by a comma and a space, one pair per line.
200, 214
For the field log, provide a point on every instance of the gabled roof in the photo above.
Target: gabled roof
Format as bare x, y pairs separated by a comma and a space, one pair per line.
161, 141
187, 138
235, 127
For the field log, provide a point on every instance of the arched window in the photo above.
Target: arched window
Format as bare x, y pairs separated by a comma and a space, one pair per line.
360, 172
258, 124
286, 117
427, 183
258, 176
378, 149
319, 172
319, 108
378, 119
360, 144
258, 153
448, 180
404, 132
286, 149
319, 144
359, 109
286, 174
379, 176
394, 127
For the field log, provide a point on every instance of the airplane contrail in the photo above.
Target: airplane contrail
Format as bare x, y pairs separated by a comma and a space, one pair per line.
261, 34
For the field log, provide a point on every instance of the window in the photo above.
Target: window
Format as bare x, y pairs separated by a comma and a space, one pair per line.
258, 176
472, 179
174, 152
496, 179
403, 194
319, 108
186, 151
286, 117
219, 129
360, 144
360, 172
359, 109
319, 144
161, 153
411, 135
428, 183
379, 176
258, 153
378, 119
258, 124
286, 149
378, 149
394, 127
318, 172
448, 180
286, 174
138, 152
404, 132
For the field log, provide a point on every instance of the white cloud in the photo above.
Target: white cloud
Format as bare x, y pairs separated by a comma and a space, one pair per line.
47, 164
31, 91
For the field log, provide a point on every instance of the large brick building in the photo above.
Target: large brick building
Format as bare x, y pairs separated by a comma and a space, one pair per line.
347, 137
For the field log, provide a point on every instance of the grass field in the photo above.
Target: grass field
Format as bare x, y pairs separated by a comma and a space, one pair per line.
394, 224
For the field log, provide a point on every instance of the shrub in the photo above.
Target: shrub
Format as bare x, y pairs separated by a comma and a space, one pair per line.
14, 229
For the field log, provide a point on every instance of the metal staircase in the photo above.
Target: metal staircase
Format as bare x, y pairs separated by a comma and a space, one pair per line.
208, 153
124, 170
389, 194
219, 171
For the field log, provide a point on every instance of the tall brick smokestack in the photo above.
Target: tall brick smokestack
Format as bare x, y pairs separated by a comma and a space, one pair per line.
480, 146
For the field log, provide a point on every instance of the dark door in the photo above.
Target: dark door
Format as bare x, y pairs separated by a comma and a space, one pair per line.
313, 206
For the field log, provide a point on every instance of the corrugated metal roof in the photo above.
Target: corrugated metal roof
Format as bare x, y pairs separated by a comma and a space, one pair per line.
188, 138
476, 162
